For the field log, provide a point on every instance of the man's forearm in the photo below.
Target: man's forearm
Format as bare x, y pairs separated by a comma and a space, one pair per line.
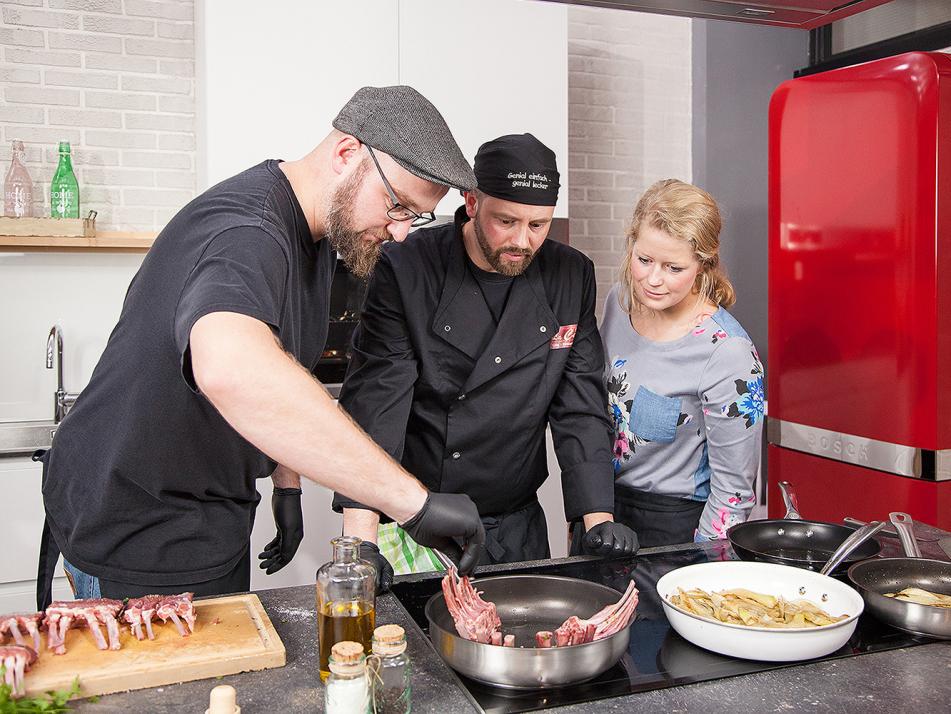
279, 407
284, 477
361, 523
593, 519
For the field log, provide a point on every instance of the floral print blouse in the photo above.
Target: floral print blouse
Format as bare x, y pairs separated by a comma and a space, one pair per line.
687, 414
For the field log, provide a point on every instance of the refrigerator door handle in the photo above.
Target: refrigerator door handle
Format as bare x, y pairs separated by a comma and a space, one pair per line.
926, 464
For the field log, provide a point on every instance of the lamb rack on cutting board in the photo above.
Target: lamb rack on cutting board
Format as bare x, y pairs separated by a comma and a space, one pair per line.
65, 614
140, 611
18, 625
16, 660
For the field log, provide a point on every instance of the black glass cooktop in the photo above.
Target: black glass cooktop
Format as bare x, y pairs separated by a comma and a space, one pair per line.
657, 657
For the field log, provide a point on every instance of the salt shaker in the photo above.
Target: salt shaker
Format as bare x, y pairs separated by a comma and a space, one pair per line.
347, 689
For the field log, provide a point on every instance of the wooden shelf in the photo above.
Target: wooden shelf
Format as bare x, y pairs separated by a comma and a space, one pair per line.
121, 241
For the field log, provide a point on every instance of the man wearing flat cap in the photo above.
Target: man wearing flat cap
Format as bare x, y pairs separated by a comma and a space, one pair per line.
206, 382
474, 337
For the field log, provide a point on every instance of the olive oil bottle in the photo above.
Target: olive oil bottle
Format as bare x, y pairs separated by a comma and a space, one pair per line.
346, 591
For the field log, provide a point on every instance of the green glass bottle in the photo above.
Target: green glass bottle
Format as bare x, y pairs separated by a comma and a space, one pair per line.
64, 191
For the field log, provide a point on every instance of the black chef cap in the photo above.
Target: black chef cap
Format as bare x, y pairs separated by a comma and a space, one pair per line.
518, 168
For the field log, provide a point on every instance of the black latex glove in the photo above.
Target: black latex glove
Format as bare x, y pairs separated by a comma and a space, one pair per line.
384, 571
443, 520
285, 504
609, 539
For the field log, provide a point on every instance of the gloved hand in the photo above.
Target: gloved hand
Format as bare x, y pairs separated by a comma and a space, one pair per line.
444, 518
609, 539
384, 571
285, 504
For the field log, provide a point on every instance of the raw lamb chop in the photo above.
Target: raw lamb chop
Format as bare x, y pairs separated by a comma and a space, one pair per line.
475, 619
66, 614
16, 661
140, 611
19, 624
604, 623
178, 606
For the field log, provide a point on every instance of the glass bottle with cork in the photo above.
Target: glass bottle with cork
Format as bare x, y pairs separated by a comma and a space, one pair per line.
18, 186
390, 671
346, 597
64, 189
347, 690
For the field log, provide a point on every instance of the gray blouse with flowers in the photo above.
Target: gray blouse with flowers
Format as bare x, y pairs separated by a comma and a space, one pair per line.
687, 414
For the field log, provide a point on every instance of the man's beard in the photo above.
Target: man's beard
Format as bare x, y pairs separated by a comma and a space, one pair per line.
494, 257
358, 253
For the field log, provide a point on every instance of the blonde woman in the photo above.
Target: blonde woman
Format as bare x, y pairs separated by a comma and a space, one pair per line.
684, 381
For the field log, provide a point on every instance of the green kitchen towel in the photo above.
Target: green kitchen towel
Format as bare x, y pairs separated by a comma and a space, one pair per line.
405, 555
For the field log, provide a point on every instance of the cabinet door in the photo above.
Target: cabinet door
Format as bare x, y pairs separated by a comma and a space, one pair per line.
273, 80
22, 528
492, 67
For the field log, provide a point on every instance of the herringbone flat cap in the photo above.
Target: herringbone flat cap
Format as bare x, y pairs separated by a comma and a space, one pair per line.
401, 122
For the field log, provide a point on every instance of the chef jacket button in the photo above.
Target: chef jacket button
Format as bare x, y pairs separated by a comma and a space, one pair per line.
456, 455
543, 329
461, 397
447, 328
498, 360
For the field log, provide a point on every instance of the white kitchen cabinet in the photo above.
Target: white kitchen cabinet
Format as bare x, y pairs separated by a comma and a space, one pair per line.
493, 67
271, 80
22, 528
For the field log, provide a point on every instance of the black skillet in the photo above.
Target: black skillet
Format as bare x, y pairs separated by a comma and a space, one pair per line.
890, 575
796, 542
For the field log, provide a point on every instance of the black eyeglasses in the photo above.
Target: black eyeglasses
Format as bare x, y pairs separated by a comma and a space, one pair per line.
399, 212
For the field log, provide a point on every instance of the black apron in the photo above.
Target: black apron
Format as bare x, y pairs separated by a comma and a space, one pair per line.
49, 551
657, 520
516, 536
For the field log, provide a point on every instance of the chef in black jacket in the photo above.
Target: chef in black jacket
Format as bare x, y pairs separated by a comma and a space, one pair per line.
475, 335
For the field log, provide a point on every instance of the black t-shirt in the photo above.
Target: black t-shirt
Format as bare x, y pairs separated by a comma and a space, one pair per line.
495, 288
147, 483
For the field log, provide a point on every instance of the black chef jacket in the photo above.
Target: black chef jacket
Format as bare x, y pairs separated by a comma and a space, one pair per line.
468, 422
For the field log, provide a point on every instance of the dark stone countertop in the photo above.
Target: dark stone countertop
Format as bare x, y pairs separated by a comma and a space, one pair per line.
916, 678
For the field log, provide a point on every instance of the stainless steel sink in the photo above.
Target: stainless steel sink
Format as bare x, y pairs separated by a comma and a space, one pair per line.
25, 437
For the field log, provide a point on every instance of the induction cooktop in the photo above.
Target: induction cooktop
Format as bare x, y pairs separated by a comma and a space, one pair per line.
657, 657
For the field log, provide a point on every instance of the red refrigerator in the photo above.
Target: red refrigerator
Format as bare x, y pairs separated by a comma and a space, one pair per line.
859, 375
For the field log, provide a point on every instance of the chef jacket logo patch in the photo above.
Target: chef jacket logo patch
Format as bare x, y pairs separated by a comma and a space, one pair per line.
565, 337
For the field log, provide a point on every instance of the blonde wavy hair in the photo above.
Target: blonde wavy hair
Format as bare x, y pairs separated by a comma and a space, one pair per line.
690, 214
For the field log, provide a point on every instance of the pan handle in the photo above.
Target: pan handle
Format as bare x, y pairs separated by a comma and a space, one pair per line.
789, 498
850, 544
905, 526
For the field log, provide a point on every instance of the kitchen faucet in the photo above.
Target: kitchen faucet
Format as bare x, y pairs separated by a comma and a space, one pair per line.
64, 400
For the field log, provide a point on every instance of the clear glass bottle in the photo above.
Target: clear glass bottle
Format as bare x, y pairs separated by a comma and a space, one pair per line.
64, 189
390, 675
347, 689
18, 186
346, 597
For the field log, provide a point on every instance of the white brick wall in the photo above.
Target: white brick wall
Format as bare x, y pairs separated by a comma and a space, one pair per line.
116, 78
629, 122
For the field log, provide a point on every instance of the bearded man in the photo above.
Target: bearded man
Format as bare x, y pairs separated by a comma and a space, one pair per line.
206, 382
474, 337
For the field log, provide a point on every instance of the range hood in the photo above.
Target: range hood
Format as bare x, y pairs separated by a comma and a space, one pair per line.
801, 14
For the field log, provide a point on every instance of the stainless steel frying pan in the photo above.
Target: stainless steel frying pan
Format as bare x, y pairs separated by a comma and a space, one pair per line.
527, 604
873, 578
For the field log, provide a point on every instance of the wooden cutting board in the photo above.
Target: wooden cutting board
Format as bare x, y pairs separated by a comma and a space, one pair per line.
233, 634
